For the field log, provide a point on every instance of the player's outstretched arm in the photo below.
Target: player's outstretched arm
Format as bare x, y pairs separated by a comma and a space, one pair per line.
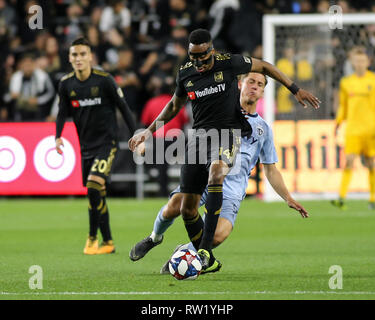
277, 182
270, 70
117, 96
168, 113
61, 118
60, 122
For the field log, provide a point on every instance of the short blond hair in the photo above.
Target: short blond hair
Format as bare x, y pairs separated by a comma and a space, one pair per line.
358, 50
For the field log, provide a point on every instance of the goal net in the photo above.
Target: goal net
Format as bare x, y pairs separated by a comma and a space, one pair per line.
312, 50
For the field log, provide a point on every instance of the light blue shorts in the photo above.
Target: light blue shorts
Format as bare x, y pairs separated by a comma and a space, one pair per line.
229, 208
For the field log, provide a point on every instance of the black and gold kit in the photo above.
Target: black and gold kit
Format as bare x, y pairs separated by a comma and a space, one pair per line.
214, 96
92, 105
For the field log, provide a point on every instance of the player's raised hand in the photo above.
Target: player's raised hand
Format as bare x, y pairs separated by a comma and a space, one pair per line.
59, 144
303, 95
296, 206
138, 138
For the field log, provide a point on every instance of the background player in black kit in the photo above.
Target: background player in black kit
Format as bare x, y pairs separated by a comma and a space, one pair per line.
90, 97
209, 80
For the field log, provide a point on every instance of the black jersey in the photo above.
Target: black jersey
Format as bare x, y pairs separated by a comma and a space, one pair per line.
92, 104
214, 94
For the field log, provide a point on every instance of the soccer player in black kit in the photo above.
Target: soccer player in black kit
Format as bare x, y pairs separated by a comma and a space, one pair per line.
90, 97
209, 80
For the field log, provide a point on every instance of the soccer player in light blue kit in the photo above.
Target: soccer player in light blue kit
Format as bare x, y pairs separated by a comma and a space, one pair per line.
259, 146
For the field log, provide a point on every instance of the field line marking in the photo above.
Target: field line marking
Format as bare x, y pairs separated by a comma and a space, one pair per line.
125, 293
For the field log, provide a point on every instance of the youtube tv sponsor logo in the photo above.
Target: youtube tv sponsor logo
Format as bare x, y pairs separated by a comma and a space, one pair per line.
75, 104
30, 165
191, 95
206, 91
86, 102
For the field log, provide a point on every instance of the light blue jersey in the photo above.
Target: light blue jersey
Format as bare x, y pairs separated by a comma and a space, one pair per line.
259, 146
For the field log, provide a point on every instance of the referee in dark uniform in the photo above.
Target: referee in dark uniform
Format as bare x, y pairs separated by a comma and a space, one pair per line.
90, 97
209, 80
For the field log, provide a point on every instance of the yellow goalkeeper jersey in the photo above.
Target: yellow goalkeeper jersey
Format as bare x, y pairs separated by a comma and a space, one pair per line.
357, 104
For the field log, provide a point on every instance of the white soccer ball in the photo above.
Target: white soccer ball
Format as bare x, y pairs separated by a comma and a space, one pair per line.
185, 265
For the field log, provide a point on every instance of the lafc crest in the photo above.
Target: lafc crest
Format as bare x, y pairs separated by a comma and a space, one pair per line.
218, 76
94, 91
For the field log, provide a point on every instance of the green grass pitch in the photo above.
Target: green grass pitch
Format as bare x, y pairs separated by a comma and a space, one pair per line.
272, 253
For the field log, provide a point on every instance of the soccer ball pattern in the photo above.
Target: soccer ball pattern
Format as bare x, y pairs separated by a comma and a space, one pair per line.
185, 265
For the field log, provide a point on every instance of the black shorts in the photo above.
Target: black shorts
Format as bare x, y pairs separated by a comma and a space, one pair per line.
99, 163
199, 156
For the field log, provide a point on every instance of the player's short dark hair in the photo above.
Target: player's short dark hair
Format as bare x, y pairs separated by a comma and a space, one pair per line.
27, 55
113, 3
199, 36
243, 76
81, 41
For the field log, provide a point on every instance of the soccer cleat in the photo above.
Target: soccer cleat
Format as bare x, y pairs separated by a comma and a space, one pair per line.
339, 204
371, 205
91, 246
142, 247
106, 247
205, 256
214, 267
165, 268
209, 263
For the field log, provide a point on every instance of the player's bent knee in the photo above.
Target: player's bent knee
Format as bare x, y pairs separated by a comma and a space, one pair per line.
172, 209
189, 205
216, 180
216, 176
188, 213
171, 212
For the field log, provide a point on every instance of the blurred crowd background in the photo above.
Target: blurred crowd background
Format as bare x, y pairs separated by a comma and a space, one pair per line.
142, 43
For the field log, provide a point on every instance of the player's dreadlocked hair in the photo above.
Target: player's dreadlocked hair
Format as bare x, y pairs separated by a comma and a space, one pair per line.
199, 36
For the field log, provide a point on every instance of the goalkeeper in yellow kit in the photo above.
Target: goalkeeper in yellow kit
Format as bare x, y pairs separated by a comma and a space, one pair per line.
357, 108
